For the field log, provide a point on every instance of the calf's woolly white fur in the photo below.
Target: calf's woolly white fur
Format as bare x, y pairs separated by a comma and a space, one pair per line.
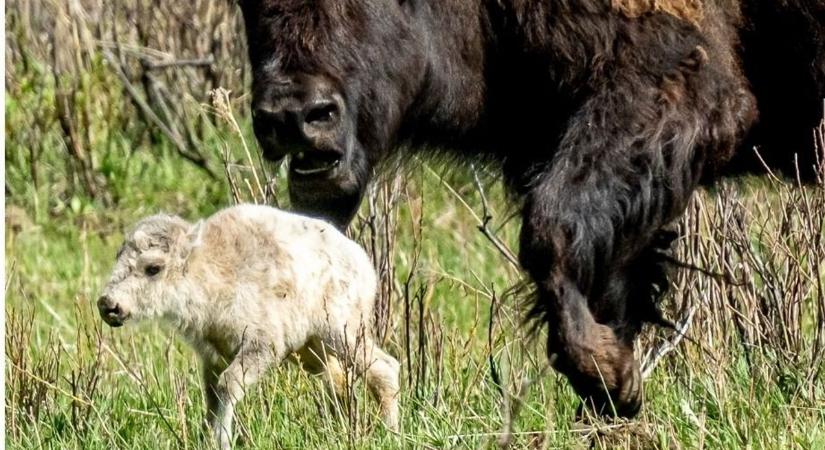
248, 287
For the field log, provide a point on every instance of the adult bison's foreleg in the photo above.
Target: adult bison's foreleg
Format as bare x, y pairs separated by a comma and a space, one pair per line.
622, 172
595, 358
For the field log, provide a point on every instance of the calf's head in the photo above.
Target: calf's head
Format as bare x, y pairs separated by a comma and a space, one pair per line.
331, 81
150, 262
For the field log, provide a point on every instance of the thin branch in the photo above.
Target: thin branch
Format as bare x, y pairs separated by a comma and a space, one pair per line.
487, 217
150, 116
654, 355
201, 62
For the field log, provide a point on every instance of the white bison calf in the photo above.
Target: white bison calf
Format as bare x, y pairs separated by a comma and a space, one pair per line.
248, 287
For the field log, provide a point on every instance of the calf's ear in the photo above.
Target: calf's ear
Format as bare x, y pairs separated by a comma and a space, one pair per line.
193, 239
141, 239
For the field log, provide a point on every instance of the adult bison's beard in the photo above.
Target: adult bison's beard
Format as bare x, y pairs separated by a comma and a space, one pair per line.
334, 196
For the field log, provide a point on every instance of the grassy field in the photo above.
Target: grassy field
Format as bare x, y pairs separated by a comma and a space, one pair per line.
85, 160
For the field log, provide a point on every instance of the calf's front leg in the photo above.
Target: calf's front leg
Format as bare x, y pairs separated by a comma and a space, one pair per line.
225, 389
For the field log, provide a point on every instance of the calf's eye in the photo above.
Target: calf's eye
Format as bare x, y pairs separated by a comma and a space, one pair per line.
152, 270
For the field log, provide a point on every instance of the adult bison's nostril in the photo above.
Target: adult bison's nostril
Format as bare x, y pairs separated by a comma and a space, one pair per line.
277, 131
321, 113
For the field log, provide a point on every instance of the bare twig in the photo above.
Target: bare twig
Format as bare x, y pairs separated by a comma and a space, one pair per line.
654, 355
223, 108
485, 230
151, 116
158, 65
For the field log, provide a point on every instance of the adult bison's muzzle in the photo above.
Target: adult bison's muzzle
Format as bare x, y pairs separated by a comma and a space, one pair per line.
306, 118
303, 117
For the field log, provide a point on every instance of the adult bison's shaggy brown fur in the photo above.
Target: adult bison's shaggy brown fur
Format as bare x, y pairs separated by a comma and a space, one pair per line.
604, 115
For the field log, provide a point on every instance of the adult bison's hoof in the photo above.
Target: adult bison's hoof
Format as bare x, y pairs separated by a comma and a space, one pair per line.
601, 369
624, 400
612, 406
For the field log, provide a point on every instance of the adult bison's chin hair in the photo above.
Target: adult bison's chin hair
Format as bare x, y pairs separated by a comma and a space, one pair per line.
333, 196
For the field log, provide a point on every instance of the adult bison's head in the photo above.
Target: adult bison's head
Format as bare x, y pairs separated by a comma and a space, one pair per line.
331, 82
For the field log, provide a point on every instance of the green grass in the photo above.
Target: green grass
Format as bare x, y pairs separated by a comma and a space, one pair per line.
72, 382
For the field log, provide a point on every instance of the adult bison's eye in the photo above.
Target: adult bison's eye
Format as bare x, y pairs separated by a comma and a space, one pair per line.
152, 270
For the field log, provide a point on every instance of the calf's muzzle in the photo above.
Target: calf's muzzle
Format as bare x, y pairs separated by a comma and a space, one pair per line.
110, 311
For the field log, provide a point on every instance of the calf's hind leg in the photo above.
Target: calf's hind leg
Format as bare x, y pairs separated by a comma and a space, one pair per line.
318, 359
382, 380
381, 373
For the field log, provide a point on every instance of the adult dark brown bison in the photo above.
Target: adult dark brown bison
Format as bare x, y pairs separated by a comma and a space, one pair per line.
604, 115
